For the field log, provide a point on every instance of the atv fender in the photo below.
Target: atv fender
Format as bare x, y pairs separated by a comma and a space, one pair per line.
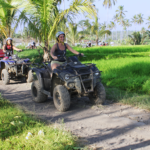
39, 78
57, 73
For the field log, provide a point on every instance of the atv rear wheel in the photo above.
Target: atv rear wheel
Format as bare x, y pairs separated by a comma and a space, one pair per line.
30, 76
61, 98
99, 94
37, 95
5, 77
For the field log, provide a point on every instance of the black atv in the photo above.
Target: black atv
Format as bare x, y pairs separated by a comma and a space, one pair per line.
71, 78
14, 67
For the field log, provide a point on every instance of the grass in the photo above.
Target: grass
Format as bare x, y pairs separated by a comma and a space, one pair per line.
128, 74
129, 98
15, 125
32, 54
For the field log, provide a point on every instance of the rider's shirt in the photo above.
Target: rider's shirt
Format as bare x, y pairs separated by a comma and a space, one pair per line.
10, 48
59, 52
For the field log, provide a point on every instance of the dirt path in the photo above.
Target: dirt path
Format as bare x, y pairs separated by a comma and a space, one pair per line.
112, 127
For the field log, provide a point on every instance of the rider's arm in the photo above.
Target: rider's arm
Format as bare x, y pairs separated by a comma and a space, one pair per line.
52, 51
72, 50
4, 48
17, 49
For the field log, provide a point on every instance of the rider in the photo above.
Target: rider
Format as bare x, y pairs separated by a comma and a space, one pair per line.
60, 49
9, 46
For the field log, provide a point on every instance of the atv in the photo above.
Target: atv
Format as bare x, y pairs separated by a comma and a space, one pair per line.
70, 79
14, 67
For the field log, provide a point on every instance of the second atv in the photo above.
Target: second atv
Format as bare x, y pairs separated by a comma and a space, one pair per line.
71, 78
14, 67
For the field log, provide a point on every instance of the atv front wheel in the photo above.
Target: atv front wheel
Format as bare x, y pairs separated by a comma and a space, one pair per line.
37, 95
5, 77
30, 76
99, 94
61, 98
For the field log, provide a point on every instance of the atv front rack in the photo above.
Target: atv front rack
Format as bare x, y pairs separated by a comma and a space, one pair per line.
86, 80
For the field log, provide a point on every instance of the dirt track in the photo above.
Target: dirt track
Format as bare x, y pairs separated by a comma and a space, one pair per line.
112, 127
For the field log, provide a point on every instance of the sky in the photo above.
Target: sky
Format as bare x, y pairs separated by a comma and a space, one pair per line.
132, 7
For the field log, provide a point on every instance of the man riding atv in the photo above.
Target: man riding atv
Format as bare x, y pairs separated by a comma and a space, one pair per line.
9, 47
59, 49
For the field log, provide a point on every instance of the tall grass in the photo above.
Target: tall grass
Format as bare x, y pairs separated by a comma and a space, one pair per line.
125, 73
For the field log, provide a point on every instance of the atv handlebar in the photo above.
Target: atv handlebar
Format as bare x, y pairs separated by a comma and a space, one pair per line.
60, 58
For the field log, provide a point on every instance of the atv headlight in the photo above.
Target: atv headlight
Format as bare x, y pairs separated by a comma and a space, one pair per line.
97, 74
67, 77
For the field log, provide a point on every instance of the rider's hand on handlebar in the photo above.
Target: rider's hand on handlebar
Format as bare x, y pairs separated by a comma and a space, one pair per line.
80, 54
19, 50
54, 57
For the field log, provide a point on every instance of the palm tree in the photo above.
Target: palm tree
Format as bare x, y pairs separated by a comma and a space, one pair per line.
73, 35
121, 15
143, 30
109, 3
140, 18
9, 12
126, 24
98, 30
145, 34
111, 26
135, 38
135, 20
5, 4
116, 19
148, 22
50, 17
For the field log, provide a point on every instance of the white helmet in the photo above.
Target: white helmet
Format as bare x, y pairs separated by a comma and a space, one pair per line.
8, 39
59, 33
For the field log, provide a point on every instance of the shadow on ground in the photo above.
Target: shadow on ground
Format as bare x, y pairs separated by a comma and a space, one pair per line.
92, 123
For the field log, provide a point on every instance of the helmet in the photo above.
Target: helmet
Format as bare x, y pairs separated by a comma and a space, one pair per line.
59, 33
8, 39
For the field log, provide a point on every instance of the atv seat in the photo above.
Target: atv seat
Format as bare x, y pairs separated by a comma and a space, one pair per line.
2, 54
